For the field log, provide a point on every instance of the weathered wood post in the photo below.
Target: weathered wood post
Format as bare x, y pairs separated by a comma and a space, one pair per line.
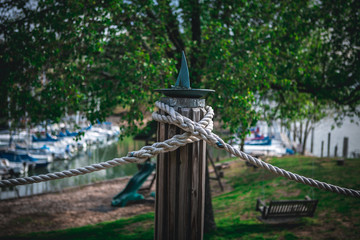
328, 147
335, 151
345, 147
312, 140
180, 179
322, 148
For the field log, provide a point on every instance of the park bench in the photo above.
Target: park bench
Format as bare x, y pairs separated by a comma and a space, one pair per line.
286, 210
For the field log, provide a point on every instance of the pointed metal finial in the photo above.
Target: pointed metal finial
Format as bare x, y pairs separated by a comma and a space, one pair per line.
183, 79
182, 87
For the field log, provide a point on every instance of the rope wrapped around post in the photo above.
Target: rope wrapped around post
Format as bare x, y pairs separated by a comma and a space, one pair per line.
194, 131
139, 156
215, 141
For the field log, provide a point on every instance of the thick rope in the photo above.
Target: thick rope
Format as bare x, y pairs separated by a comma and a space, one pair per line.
134, 157
194, 132
211, 138
139, 156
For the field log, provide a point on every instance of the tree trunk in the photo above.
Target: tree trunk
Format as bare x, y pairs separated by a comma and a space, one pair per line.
312, 140
195, 58
301, 132
306, 134
294, 137
242, 143
209, 222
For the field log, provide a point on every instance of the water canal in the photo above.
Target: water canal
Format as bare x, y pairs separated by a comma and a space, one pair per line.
94, 154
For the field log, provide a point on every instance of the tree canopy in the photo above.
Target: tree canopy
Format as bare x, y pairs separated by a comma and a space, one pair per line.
59, 57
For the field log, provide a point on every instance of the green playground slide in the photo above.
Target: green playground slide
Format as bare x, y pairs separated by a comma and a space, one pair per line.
130, 191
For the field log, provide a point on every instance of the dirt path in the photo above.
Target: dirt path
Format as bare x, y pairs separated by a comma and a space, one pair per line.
73, 207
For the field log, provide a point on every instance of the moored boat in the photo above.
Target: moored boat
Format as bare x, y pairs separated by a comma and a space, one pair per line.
11, 169
21, 156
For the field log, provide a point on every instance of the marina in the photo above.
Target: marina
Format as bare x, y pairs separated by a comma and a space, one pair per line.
94, 154
34, 152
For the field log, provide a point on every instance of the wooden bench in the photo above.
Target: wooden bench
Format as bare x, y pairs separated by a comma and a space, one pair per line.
286, 210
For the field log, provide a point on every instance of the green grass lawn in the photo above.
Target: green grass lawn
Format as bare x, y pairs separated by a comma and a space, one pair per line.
337, 217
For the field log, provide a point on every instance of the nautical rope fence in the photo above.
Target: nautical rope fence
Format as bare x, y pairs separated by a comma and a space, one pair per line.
194, 131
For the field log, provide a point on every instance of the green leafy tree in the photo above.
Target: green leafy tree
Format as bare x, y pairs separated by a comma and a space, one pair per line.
97, 55
91, 56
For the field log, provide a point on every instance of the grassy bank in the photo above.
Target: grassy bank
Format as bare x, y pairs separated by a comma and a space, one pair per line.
337, 217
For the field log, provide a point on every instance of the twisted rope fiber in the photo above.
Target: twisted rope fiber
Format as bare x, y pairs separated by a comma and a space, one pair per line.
194, 132
205, 134
139, 156
133, 157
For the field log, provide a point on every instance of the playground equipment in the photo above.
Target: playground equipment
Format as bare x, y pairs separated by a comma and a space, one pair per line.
130, 191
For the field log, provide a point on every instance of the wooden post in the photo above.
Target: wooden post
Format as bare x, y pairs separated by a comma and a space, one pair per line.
345, 147
180, 179
322, 148
328, 147
312, 140
335, 151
